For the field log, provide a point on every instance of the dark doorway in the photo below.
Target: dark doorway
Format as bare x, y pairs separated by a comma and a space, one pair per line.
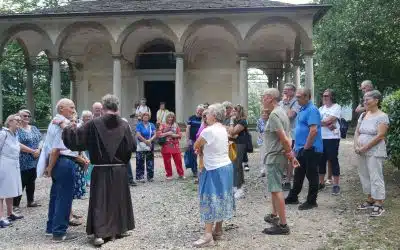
159, 91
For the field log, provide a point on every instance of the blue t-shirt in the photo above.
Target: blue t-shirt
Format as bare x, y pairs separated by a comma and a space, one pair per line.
308, 115
146, 132
194, 122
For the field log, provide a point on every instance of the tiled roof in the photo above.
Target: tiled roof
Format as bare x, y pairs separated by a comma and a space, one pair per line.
115, 6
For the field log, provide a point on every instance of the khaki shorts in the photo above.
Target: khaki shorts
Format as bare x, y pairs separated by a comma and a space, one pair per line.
275, 172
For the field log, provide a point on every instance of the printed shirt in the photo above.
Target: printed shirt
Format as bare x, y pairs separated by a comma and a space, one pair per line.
308, 115
291, 105
172, 144
32, 140
260, 129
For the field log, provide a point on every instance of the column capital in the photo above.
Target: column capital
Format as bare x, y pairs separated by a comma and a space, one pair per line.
117, 56
179, 55
55, 58
308, 52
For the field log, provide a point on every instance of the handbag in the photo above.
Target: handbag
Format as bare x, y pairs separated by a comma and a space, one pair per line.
232, 151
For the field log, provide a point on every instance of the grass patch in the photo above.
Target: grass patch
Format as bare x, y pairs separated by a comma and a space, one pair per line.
361, 231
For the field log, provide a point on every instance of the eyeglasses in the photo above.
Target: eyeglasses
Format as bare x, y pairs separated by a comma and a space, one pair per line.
326, 96
26, 116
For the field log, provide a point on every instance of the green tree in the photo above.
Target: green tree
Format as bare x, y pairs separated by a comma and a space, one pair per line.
357, 40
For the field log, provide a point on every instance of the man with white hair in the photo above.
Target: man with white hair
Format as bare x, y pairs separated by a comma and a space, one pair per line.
278, 152
192, 127
57, 162
96, 109
366, 86
110, 144
142, 108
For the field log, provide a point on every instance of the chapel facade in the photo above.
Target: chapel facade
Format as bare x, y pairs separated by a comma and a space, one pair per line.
182, 52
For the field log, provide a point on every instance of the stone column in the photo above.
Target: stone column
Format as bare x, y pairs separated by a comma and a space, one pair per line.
296, 73
55, 83
179, 102
243, 82
309, 67
29, 90
117, 82
1, 99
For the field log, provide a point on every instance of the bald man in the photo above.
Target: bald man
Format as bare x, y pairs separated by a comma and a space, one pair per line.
366, 86
96, 109
58, 163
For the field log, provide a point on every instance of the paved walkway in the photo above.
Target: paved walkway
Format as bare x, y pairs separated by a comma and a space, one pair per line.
167, 217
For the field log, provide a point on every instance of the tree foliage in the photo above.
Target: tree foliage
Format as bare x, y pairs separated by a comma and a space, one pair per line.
14, 75
391, 106
357, 40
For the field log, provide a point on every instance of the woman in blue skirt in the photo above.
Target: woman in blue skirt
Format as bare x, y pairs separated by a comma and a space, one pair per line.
216, 178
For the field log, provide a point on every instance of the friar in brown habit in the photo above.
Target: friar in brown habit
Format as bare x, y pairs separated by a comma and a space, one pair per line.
110, 144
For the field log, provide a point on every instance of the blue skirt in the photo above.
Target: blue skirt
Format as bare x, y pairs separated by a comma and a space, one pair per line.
216, 194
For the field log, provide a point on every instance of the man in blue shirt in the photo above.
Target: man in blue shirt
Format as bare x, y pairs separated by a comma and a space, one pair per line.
308, 148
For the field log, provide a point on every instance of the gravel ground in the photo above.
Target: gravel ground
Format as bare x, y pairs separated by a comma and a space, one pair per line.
167, 217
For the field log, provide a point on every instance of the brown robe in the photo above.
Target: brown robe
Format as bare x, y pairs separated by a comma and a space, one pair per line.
109, 141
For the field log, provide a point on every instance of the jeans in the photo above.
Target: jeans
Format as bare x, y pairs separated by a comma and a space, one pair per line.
28, 178
308, 160
191, 159
130, 173
238, 174
142, 158
61, 195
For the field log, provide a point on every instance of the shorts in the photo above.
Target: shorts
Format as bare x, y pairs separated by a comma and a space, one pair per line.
274, 177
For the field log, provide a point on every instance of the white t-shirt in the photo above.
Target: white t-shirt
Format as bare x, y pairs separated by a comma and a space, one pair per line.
216, 149
334, 110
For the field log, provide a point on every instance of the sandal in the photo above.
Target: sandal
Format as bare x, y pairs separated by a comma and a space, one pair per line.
217, 235
75, 222
204, 241
366, 205
377, 211
77, 216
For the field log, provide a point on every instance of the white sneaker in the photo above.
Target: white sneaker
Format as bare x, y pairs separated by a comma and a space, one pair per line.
239, 193
98, 241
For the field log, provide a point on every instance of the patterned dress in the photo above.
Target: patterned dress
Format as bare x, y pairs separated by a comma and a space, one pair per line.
80, 182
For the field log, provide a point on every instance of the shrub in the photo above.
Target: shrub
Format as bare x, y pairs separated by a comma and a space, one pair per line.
391, 106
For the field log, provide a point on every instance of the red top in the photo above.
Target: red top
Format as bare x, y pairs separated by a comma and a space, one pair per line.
172, 144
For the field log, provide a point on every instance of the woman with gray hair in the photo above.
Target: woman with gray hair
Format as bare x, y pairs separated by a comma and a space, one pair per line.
10, 177
29, 137
369, 144
216, 178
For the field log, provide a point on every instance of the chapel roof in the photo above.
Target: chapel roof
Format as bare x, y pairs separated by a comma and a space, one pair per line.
101, 7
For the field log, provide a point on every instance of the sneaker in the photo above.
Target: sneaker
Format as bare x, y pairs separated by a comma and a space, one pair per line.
286, 186
48, 234
291, 201
4, 223
239, 193
307, 206
141, 181
321, 187
150, 180
246, 168
272, 219
98, 242
169, 178
262, 174
366, 205
132, 183
14, 217
33, 204
66, 237
328, 182
17, 210
182, 177
277, 230
335, 190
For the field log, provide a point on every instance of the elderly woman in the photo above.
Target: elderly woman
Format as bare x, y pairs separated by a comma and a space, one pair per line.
10, 179
330, 130
145, 134
29, 137
216, 178
238, 132
369, 143
171, 149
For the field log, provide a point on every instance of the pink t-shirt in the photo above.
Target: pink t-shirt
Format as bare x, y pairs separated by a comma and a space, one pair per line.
202, 127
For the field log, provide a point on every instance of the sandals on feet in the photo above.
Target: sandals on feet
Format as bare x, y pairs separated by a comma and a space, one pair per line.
204, 242
377, 211
366, 205
75, 222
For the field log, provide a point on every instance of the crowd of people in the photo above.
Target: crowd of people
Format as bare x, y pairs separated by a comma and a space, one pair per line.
296, 140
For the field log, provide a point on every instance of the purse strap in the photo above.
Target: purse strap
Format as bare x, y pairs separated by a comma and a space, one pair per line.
1, 150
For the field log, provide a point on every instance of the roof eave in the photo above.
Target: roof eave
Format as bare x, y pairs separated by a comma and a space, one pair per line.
322, 9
